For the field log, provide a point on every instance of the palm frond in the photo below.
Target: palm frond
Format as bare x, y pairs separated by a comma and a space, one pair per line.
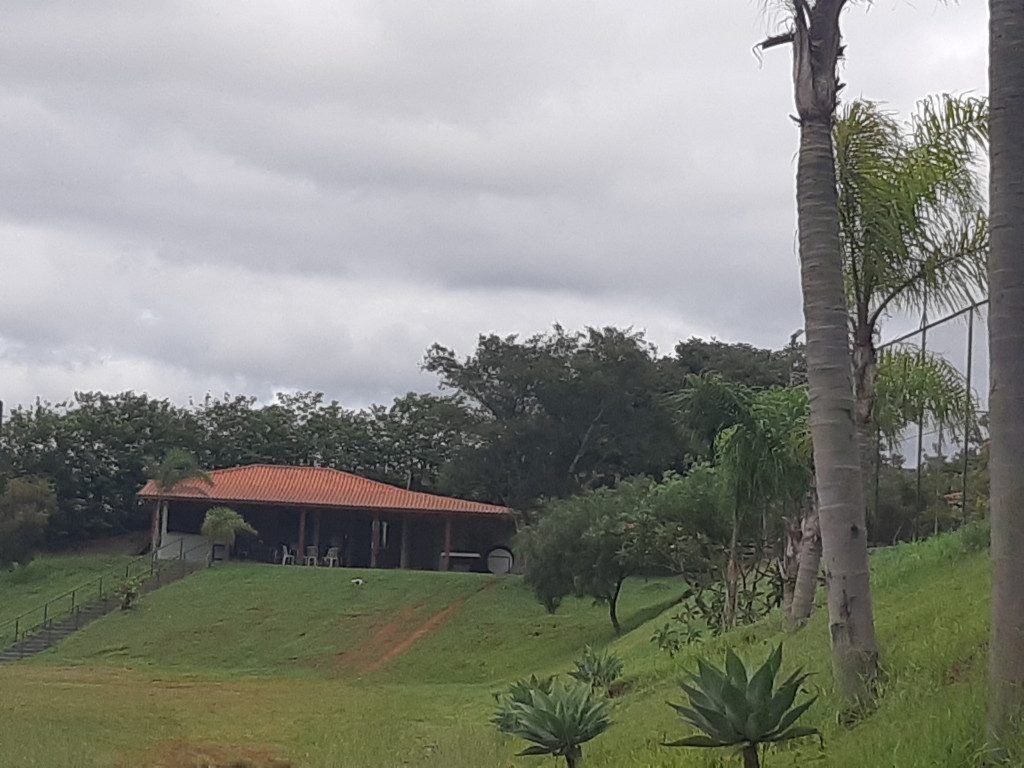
912, 222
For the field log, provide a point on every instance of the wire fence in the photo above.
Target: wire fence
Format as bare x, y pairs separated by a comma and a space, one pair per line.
935, 476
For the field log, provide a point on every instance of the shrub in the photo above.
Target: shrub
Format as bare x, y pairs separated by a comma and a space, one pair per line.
25, 508
598, 670
128, 593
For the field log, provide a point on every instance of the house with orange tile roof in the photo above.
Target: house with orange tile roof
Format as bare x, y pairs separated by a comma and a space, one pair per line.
317, 515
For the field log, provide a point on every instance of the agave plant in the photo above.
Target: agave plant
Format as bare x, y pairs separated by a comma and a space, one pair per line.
516, 695
558, 721
734, 709
599, 670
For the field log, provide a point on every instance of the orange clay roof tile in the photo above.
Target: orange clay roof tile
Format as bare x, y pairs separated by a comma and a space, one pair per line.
313, 486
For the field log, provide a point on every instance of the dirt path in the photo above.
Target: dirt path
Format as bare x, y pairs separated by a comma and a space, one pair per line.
398, 636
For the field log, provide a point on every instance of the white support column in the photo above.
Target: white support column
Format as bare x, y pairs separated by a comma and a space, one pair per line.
164, 514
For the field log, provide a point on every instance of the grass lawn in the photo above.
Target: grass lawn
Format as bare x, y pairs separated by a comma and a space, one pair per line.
244, 664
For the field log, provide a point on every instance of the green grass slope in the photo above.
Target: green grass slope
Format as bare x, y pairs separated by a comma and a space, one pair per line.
51, 576
242, 663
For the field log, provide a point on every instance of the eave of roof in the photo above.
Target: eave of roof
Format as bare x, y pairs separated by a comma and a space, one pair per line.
314, 487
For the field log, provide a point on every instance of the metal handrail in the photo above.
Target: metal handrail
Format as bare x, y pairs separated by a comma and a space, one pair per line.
151, 562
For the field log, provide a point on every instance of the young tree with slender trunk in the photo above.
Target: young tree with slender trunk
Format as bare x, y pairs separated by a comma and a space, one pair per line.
816, 41
1006, 349
177, 466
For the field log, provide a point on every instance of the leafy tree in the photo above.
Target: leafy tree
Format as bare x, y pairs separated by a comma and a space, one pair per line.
557, 413
576, 546
589, 544
741, 363
416, 438
1006, 350
25, 507
816, 43
94, 450
222, 525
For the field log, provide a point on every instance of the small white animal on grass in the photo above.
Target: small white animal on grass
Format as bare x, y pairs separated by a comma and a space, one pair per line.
357, 582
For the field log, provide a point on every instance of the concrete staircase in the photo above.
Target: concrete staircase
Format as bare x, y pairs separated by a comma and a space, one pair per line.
54, 631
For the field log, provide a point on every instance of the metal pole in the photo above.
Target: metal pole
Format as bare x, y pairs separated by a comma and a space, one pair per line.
878, 474
920, 422
967, 411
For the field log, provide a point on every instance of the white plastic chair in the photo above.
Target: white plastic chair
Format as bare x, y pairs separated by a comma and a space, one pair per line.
333, 557
312, 556
287, 556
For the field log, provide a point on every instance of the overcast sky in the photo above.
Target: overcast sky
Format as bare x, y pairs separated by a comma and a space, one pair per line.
251, 197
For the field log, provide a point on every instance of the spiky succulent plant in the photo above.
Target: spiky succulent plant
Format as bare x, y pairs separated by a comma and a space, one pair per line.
558, 721
735, 709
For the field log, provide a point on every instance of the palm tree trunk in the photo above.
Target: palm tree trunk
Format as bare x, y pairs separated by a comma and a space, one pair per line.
750, 757
833, 432
809, 563
790, 563
732, 576
1006, 348
154, 531
574, 757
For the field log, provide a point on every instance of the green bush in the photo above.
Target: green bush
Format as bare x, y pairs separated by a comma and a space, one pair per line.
25, 509
128, 593
598, 670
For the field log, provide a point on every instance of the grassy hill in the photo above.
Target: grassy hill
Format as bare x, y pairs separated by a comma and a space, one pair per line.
51, 576
251, 665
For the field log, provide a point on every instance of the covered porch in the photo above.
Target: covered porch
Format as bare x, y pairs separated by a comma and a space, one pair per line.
387, 527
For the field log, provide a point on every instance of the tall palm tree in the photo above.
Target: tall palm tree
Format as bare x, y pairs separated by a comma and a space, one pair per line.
1006, 350
816, 41
177, 466
911, 217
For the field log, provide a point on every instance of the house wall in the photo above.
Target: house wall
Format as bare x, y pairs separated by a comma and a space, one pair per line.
188, 546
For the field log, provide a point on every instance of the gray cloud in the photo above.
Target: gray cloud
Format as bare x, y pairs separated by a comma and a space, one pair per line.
205, 197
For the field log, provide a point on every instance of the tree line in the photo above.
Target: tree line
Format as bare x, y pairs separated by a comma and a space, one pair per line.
520, 420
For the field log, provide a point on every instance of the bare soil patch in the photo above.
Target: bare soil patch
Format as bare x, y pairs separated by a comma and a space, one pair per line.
183, 754
397, 636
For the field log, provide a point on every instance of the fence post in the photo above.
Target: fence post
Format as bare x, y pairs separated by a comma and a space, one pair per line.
967, 410
920, 424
